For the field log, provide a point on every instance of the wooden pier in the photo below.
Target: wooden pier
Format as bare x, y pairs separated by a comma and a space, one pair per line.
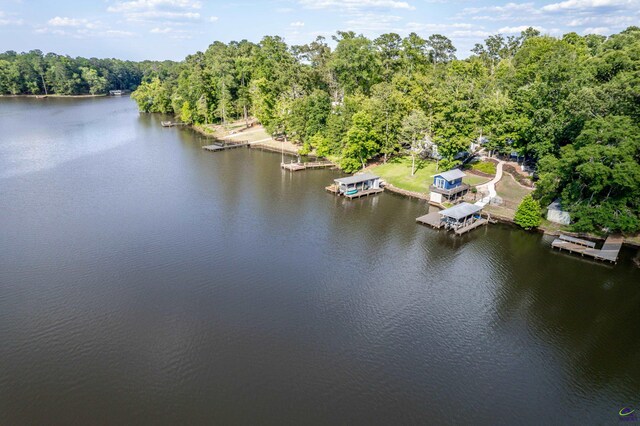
460, 219
472, 226
224, 145
608, 253
171, 124
432, 219
294, 167
361, 193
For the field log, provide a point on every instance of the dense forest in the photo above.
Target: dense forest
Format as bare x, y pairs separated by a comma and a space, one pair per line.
34, 73
569, 105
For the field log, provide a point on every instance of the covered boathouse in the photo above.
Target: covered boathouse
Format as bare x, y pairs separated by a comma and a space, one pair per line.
447, 186
356, 186
460, 218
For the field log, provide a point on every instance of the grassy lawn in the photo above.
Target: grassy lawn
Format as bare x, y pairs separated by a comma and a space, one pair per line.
475, 180
397, 172
488, 167
511, 193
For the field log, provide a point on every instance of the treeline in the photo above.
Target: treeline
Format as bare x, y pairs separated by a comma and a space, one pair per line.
34, 73
570, 105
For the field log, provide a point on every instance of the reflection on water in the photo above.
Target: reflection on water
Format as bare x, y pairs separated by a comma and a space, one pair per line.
143, 280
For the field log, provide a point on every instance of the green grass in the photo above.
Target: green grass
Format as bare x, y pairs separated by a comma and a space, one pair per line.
475, 180
397, 172
510, 191
488, 167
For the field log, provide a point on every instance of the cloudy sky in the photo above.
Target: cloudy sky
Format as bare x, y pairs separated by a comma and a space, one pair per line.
171, 29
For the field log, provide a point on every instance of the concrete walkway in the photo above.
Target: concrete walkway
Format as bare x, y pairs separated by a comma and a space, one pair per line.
490, 187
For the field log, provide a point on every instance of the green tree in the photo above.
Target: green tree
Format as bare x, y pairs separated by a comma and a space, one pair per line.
97, 84
528, 214
152, 97
355, 63
361, 143
412, 134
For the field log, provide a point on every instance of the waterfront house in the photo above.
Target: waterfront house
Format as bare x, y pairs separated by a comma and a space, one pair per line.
357, 185
447, 186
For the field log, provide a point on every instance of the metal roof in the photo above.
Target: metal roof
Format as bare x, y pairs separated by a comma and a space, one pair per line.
453, 174
460, 211
357, 178
556, 205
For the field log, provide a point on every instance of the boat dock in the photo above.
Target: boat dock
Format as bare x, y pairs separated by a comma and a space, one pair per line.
608, 253
460, 219
472, 226
361, 193
295, 166
170, 124
431, 219
223, 145
356, 186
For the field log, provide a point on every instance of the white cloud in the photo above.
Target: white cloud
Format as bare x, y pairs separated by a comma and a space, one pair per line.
588, 4
519, 29
80, 28
72, 22
297, 24
213, 19
138, 5
7, 20
356, 4
617, 20
161, 30
597, 30
508, 8
155, 15
371, 22
117, 33
158, 10
171, 32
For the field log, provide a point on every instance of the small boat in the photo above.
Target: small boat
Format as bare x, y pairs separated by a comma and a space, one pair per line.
166, 124
351, 191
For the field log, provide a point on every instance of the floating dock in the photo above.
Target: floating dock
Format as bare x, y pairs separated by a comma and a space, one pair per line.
608, 253
294, 167
224, 145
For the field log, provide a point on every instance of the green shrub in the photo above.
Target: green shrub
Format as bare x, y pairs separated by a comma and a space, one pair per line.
528, 214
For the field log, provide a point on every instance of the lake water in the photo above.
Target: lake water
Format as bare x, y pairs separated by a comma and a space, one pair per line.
146, 281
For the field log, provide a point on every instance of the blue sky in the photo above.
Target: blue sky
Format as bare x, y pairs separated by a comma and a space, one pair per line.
172, 29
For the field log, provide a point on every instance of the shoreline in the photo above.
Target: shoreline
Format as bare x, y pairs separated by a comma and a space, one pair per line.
54, 96
263, 145
508, 221
425, 197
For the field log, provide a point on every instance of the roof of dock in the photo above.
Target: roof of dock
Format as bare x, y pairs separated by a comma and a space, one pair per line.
452, 174
357, 178
460, 210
